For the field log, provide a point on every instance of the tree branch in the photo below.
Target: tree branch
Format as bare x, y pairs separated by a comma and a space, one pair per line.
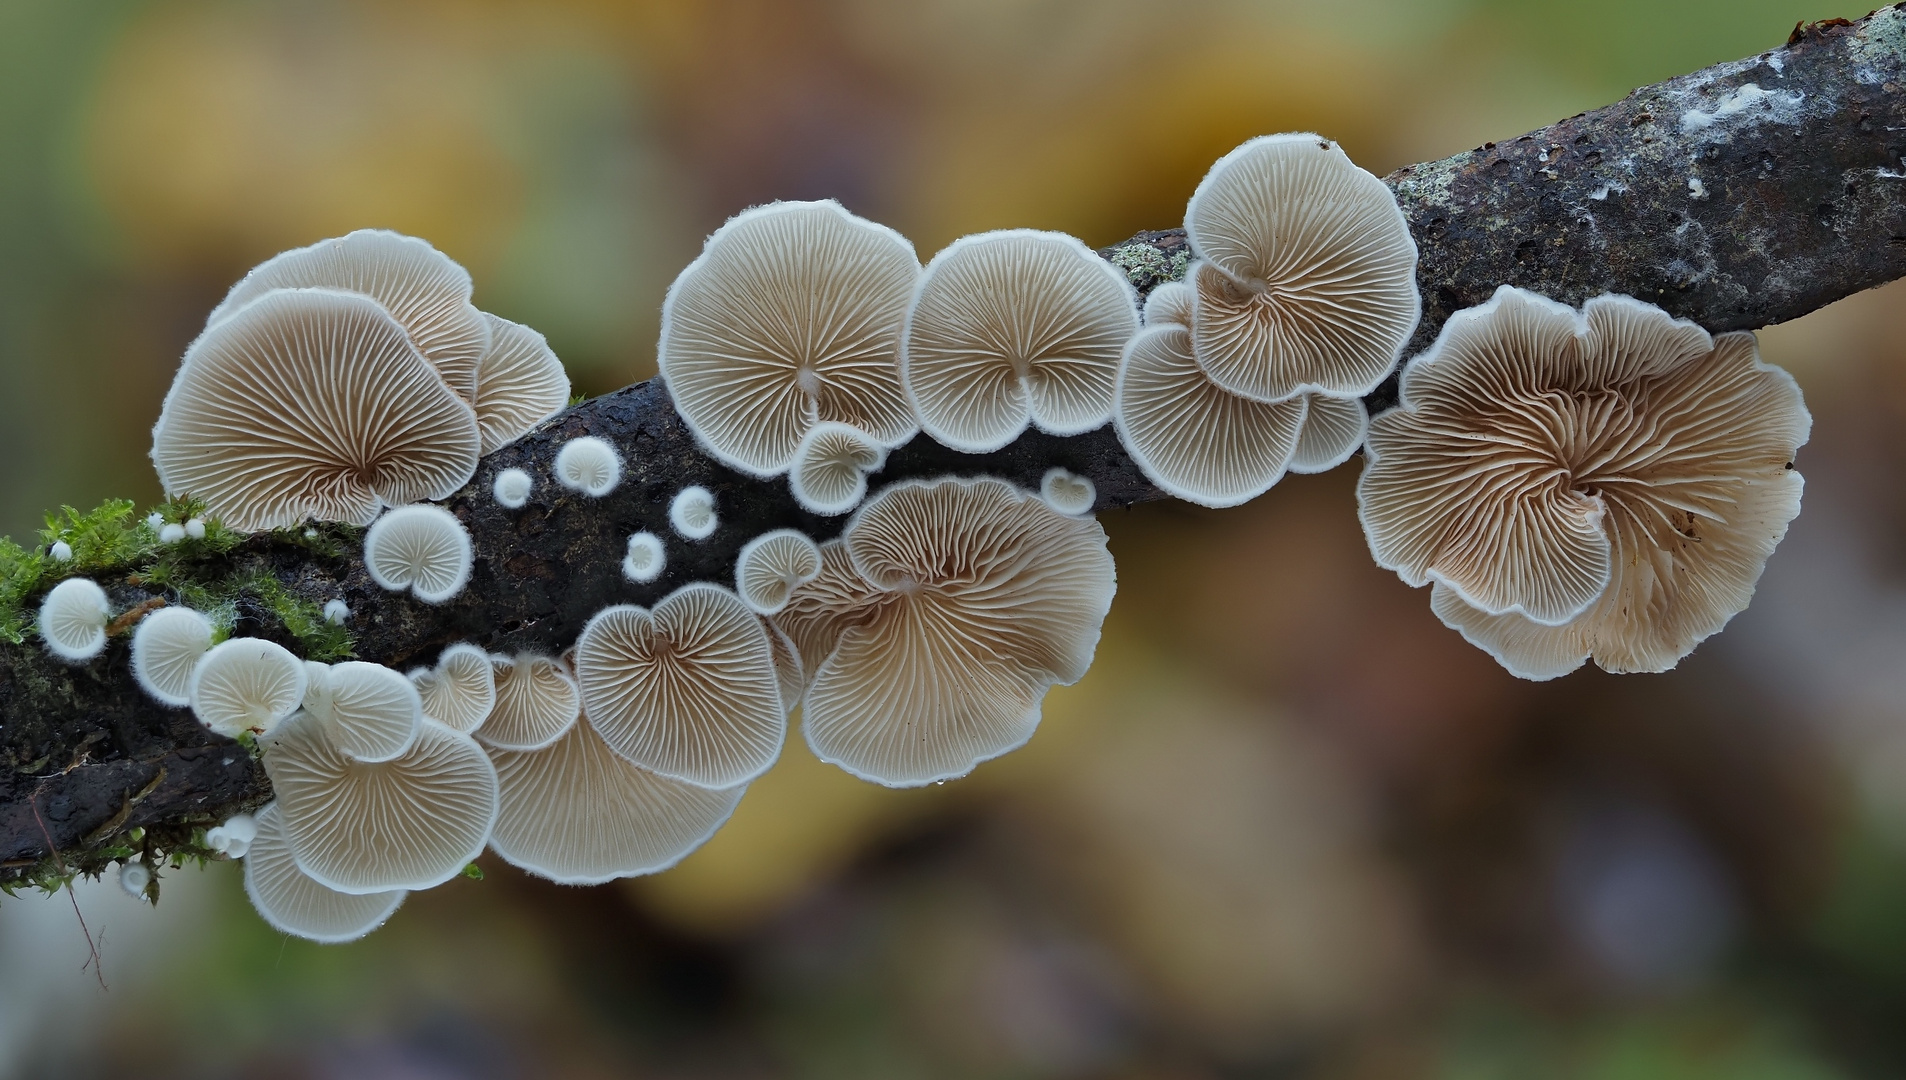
1743, 195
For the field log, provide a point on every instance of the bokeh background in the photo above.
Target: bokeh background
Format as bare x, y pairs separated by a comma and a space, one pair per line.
1289, 826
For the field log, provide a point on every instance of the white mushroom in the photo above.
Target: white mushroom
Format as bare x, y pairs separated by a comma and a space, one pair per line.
73, 619
512, 488
788, 669
135, 878
166, 646
771, 565
234, 838
536, 701
1012, 327
195, 528
1170, 302
589, 465
692, 513
422, 548
688, 690
791, 315
60, 551
294, 904
1333, 430
520, 384
246, 684
172, 533
368, 712
336, 611
831, 467
1068, 492
646, 558
460, 691
307, 403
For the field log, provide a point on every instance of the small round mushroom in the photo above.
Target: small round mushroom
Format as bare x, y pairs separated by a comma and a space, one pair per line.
792, 315
73, 619
1309, 273
692, 513
413, 822
246, 684
536, 701
293, 903
1334, 428
308, 403
172, 533
520, 384
369, 712
336, 611
772, 565
937, 624
460, 690
166, 646
687, 690
589, 465
1170, 302
578, 814
135, 879
195, 528
60, 551
422, 548
830, 468
1189, 436
646, 558
1015, 327
234, 838
423, 289
512, 488
1605, 484
1068, 492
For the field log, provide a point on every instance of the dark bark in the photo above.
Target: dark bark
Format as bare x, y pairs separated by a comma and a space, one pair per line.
1799, 202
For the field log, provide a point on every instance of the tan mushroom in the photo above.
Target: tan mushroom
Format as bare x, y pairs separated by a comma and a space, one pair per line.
536, 702
938, 622
831, 466
460, 690
1170, 302
422, 548
788, 669
1605, 484
791, 315
772, 565
519, 384
1067, 491
293, 903
1334, 428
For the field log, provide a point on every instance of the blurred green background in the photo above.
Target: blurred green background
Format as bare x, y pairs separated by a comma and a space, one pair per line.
1289, 826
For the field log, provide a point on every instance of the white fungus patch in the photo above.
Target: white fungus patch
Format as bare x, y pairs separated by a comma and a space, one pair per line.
1696, 189
512, 488
692, 513
1751, 102
646, 558
589, 465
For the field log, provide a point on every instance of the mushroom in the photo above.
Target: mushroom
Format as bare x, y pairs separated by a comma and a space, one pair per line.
134, 878
172, 533
73, 619
1605, 484
512, 488
792, 315
1308, 277
830, 468
423, 289
246, 684
234, 838
194, 528
1012, 327
577, 813
645, 559
413, 822
589, 465
369, 712
772, 565
308, 403
519, 384
692, 513
687, 690
536, 701
293, 903
1170, 302
1067, 491
787, 666
938, 622
422, 548
166, 646
460, 691
60, 551
1190, 437
336, 611
1333, 429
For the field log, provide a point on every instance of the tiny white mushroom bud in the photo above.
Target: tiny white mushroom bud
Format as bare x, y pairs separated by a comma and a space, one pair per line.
240, 831
216, 839
512, 488
336, 611
155, 521
422, 548
172, 533
246, 684
73, 619
1068, 492
165, 648
195, 528
692, 513
134, 877
589, 465
61, 551
646, 558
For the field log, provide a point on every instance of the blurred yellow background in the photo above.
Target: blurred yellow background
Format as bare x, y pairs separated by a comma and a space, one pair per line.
1289, 826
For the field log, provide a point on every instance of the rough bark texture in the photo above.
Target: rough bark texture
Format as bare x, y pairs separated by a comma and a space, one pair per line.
1740, 196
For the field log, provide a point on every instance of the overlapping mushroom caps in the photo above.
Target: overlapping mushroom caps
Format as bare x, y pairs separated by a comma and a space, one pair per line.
1606, 483
791, 315
294, 903
536, 702
938, 622
519, 384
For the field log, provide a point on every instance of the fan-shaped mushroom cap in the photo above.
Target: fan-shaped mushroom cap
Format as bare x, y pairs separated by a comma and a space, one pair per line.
369, 712
646, 558
519, 384
511, 488
792, 315
246, 684
134, 878
1309, 281
1170, 302
831, 467
589, 465
294, 904
938, 622
422, 548
577, 813
422, 288
687, 690
1068, 492
460, 691
1333, 429
166, 646
1193, 439
788, 670
1012, 327
771, 565
307, 403
692, 513
73, 619
412, 822
536, 701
